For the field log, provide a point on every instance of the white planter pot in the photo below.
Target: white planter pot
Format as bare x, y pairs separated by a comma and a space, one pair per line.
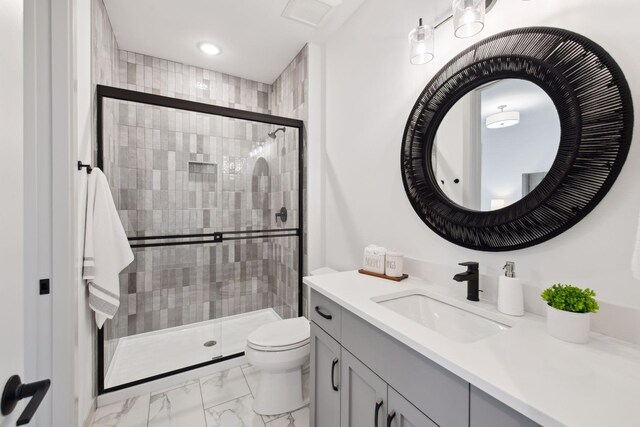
568, 326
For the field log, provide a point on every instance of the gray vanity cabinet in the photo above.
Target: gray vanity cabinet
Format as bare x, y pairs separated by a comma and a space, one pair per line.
358, 372
435, 391
325, 379
489, 412
363, 396
401, 413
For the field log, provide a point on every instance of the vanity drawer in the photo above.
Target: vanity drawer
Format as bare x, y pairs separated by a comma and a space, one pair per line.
326, 314
438, 393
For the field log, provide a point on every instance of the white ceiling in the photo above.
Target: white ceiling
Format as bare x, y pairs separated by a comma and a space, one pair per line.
257, 42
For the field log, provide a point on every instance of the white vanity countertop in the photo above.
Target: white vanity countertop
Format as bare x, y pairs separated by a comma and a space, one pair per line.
548, 380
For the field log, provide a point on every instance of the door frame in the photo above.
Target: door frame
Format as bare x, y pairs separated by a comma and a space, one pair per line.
37, 199
49, 146
64, 218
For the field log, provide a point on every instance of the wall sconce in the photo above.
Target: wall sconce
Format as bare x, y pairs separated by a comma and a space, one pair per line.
421, 44
468, 20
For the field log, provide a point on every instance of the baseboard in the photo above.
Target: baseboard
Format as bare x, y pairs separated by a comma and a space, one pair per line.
88, 420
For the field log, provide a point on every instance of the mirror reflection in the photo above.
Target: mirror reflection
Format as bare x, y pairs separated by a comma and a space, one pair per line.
496, 144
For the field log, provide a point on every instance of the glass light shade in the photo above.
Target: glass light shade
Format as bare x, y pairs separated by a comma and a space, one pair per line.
468, 17
503, 119
421, 44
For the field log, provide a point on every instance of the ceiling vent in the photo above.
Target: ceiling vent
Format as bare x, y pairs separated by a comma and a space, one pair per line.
309, 12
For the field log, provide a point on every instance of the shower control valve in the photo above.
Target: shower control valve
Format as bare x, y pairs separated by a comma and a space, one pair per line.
282, 214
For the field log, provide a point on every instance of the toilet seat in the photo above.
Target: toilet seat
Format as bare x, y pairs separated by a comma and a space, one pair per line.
281, 335
279, 348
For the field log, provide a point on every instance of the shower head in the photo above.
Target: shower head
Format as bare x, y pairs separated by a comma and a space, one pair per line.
272, 135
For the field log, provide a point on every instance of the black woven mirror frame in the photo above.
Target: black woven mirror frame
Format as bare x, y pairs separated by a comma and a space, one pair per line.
596, 118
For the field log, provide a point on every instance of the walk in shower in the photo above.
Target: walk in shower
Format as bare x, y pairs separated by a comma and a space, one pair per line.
211, 201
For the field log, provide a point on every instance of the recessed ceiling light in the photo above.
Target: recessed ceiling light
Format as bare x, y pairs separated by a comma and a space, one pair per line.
209, 48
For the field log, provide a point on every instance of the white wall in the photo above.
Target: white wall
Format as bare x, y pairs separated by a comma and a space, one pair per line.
12, 189
370, 89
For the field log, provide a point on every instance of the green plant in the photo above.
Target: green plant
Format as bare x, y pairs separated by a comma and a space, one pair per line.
571, 298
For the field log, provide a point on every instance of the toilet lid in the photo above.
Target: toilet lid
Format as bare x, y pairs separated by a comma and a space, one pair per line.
281, 333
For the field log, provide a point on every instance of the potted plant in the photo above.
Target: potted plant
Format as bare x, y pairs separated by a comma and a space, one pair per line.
568, 312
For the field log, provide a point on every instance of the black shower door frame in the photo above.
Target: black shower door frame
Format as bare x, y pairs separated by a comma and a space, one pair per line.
209, 238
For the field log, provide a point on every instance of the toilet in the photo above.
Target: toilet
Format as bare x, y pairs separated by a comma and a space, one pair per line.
279, 350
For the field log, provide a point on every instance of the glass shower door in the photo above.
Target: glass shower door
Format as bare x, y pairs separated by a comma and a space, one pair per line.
202, 199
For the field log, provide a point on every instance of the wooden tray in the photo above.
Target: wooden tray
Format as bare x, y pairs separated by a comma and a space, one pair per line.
383, 276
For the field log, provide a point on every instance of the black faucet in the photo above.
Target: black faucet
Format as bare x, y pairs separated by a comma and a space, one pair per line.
472, 277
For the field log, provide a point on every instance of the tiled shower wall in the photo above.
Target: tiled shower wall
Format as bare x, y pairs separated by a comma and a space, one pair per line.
161, 288
104, 70
288, 97
178, 172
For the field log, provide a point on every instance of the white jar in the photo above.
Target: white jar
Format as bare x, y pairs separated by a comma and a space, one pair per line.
373, 259
394, 266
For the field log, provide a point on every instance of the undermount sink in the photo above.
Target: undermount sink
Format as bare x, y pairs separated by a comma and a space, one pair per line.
453, 322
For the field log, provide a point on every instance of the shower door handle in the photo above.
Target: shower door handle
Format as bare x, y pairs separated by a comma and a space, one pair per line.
333, 375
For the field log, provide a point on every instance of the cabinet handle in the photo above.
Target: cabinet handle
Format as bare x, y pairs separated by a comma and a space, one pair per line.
333, 368
390, 418
377, 413
326, 316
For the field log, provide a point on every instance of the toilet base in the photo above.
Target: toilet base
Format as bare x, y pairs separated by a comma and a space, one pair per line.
279, 392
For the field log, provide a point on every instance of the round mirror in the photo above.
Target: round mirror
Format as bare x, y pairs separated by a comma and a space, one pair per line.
516, 139
496, 144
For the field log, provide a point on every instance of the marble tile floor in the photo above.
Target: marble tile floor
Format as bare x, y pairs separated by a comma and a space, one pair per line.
223, 399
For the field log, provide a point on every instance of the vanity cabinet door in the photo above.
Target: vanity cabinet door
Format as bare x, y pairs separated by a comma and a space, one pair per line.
402, 413
325, 379
489, 412
364, 394
435, 391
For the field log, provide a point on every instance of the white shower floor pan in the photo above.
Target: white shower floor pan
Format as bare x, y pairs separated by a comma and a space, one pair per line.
154, 353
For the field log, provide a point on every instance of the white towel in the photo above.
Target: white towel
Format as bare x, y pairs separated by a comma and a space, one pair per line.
106, 248
635, 259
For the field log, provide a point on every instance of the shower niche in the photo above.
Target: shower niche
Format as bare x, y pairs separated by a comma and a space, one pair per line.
197, 187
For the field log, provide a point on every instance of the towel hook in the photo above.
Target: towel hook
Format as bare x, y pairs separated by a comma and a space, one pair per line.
80, 166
